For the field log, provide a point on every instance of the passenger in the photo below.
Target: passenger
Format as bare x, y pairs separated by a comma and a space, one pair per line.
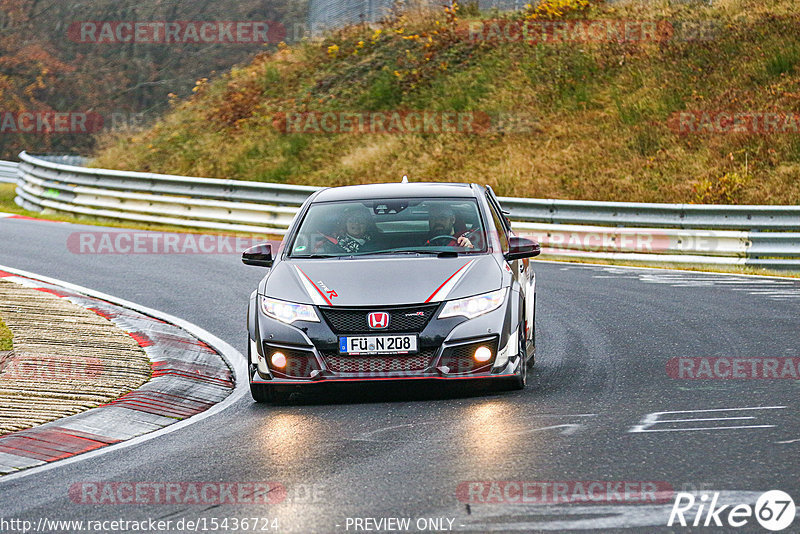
358, 230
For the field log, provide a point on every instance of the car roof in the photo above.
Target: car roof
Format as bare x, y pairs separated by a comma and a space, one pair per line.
395, 190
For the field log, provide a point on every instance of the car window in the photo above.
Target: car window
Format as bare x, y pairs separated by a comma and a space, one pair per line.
390, 226
496, 203
497, 221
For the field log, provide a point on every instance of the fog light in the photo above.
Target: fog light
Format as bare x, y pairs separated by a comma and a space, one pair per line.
483, 354
278, 360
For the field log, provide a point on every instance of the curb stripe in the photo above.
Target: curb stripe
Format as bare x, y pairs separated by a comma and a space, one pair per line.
142, 429
26, 218
51, 291
141, 339
190, 372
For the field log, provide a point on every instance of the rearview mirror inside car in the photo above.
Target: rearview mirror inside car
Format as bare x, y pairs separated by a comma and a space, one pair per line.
259, 255
521, 247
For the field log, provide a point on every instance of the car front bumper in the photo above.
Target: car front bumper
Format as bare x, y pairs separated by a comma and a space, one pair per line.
445, 351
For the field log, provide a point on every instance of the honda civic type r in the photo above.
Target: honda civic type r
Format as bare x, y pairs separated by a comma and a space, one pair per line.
393, 282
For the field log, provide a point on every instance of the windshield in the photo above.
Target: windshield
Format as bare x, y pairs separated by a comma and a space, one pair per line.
395, 226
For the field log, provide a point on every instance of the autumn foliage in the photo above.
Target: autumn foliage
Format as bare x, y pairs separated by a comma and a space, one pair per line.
44, 68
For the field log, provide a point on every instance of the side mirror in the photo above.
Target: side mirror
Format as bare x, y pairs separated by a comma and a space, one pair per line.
259, 255
520, 248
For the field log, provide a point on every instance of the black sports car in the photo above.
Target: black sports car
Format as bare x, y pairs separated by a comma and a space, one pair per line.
393, 282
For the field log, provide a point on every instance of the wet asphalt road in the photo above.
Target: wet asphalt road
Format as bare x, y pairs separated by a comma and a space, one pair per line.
354, 455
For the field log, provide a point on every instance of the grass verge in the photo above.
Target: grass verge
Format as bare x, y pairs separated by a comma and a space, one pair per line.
6, 337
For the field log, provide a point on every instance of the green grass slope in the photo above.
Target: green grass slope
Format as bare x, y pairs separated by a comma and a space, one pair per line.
579, 119
6, 338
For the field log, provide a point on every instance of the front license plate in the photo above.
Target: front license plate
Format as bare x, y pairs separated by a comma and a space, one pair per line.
400, 344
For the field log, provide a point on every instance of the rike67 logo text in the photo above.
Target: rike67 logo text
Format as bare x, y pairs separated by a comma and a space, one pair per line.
774, 510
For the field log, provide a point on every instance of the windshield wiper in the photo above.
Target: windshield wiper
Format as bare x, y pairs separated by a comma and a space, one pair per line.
429, 252
312, 256
396, 251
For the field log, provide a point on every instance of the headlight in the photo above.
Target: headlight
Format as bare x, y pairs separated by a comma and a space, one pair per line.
472, 307
288, 312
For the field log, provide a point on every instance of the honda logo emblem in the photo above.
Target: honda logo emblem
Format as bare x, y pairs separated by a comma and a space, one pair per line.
378, 320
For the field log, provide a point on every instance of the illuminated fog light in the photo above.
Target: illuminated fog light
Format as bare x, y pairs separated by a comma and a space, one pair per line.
483, 354
278, 360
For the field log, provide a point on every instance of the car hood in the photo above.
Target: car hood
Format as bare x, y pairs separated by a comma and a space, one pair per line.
382, 281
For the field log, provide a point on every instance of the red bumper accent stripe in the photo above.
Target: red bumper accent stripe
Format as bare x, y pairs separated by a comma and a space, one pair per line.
375, 379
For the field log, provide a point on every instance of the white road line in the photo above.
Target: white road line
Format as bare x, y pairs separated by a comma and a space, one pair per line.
774, 291
703, 419
650, 420
655, 270
776, 282
728, 409
706, 428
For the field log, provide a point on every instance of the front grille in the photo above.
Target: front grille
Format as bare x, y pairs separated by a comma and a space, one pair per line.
405, 319
459, 359
342, 363
299, 363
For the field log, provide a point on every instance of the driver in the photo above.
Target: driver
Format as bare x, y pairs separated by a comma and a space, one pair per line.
441, 221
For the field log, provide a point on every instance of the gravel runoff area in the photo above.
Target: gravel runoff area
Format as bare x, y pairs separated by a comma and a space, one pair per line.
66, 359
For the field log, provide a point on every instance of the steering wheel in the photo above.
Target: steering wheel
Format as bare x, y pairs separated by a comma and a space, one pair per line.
449, 238
469, 235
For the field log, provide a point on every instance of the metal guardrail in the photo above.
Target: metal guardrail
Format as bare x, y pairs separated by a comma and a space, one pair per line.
707, 216
334, 14
8, 172
762, 236
158, 198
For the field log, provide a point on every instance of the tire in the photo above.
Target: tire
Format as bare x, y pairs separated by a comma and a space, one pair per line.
532, 358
